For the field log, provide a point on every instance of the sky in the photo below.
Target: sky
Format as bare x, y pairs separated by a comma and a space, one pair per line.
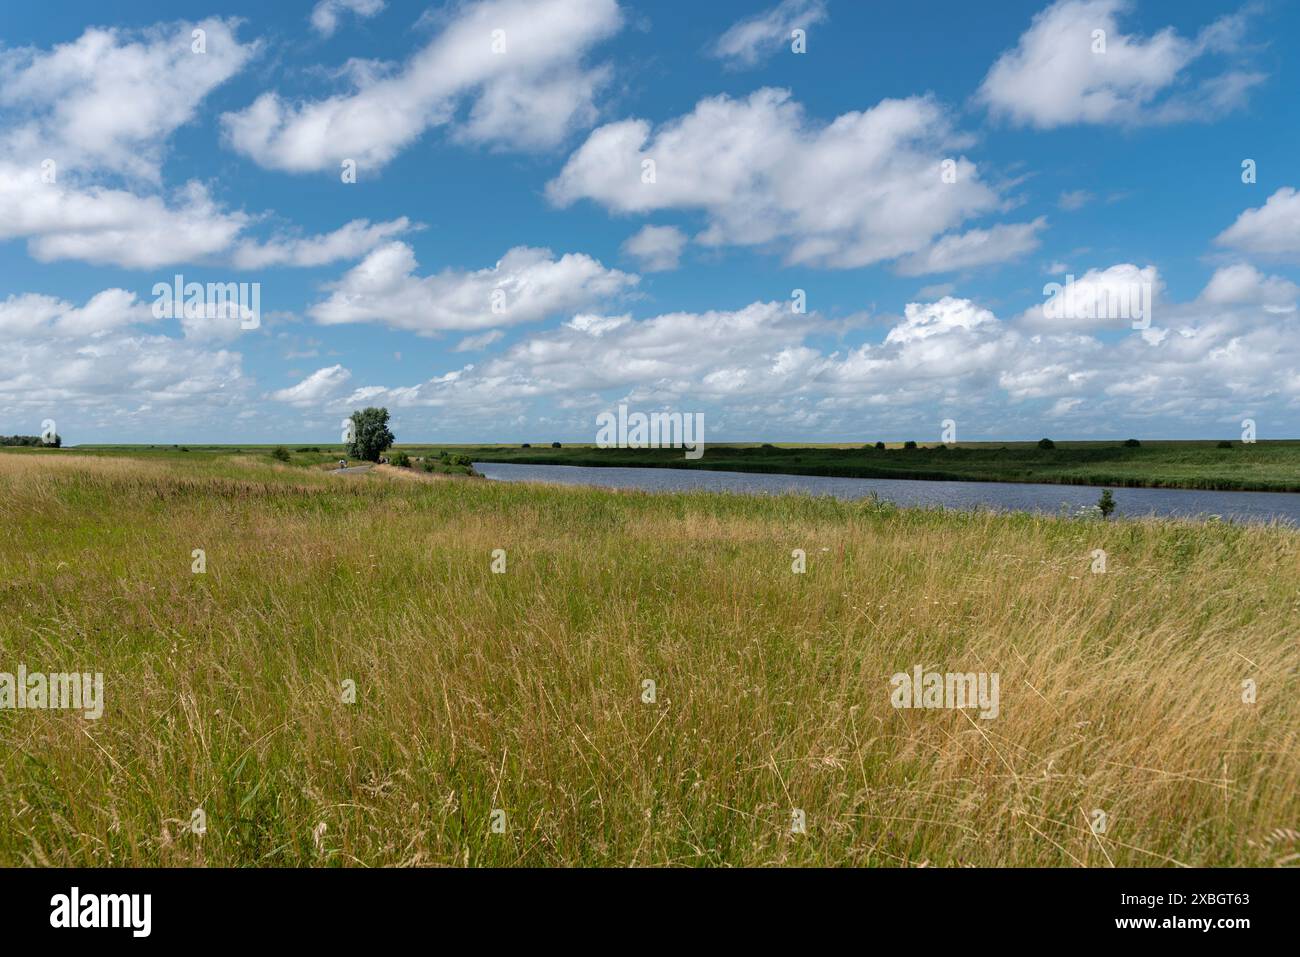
810, 220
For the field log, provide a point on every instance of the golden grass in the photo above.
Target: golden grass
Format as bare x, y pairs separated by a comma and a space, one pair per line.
417, 475
1120, 692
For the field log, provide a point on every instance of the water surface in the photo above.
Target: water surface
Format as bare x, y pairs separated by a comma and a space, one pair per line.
1131, 502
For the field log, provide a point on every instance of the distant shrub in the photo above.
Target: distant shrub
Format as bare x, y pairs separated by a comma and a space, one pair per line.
880, 445
184, 448
313, 448
1106, 503
1132, 444
449, 464
400, 459
31, 441
909, 444
280, 453
555, 445
1225, 444
767, 445
525, 446
1046, 444
875, 505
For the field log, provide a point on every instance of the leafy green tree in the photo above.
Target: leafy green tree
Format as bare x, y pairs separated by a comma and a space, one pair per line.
370, 435
1046, 444
1106, 503
279, 453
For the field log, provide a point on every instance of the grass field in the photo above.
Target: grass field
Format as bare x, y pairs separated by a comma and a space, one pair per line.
1121, 692
1267, 466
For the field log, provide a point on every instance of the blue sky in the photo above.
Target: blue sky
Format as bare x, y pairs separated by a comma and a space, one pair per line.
518, 171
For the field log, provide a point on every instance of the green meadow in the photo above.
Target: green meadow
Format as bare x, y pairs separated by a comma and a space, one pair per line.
642, 679
1267, 466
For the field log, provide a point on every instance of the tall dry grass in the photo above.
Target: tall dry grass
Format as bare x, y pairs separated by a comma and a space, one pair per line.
1120, 692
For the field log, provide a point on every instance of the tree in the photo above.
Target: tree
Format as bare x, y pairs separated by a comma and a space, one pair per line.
1046, 444
1132, 444
370, 435
1106, 503
880, 445
909, 444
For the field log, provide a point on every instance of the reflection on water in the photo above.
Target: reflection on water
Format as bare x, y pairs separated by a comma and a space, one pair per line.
1239, 506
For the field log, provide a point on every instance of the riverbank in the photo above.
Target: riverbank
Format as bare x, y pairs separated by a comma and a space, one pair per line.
647, 680
1265, 466
1260, 466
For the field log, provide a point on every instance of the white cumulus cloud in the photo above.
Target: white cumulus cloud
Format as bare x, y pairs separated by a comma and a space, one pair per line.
111, 99
1058, 75
516, 65
1271, 230
867, 187
526, 285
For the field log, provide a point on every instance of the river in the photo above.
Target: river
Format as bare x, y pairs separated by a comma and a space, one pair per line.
1131, 502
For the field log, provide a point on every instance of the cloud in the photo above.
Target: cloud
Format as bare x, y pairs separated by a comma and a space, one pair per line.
326, 14
922, 321
1074, 199
1243, 284
1054, 78
1098, 300
754, 369
111, 99
865, 188
350, 241
112, 226
92, 367
318, 388
102, 109
529, 95
656, 248
756, 38
480, 342
116, 227
32, 314
978, 247
526, 285
1271, 230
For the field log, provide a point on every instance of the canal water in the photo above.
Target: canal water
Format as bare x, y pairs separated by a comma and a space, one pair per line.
1131, 502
